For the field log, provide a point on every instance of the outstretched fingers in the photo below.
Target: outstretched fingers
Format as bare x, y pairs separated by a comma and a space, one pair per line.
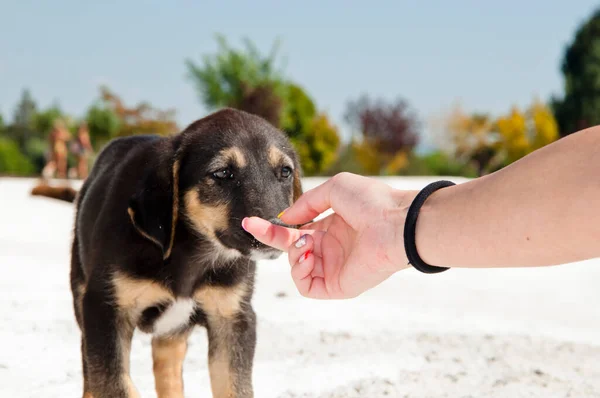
304, 253
307, 266
270, 234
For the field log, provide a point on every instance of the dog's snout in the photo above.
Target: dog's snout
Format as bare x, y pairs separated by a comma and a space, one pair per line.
267, 211
257, 212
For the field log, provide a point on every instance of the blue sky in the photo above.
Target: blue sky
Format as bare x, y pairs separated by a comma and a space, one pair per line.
488, 55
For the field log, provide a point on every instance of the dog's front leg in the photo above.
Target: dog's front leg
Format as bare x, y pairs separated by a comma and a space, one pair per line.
231, 325
168, 355
107, 345
232, 342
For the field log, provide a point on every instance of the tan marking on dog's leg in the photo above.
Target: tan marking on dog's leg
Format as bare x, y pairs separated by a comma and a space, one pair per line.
138, 294
81, 288
133, 296
206, 219
231, 350
221, 380
222, 305
107, 359
118, 383
168, 355
219, 301
125, 337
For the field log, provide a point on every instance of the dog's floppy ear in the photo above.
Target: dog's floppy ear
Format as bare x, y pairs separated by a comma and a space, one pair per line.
297, 180
154, 207
297, 185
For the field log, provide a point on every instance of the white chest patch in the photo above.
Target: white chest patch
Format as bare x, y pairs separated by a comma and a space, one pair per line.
177, 315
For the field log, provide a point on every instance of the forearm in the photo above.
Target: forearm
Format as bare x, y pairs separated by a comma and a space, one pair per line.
541, 210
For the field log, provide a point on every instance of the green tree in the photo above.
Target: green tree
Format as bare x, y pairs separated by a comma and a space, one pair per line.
315, 138
1, 123
108, 117
25, 111
142, 118
22, 127
317, 146
230, 76
12, 160
490, 144
300, 110
103, 124
580, 106
250, 81
43, 121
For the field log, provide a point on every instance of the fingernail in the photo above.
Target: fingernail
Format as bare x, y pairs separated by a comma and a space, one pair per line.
304, 256
280, 214
300, 242
244, 224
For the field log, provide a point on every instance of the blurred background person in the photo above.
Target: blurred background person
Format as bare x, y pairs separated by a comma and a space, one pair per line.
57, 142
81, 148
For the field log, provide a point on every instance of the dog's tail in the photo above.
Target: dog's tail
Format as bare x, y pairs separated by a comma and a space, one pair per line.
64, 193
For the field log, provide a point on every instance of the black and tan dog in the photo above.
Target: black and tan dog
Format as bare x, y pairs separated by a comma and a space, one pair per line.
158, 245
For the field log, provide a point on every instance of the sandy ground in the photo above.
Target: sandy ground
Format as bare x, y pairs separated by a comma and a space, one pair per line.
465, 333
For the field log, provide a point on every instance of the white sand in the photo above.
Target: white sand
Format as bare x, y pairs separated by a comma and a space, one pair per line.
464, 333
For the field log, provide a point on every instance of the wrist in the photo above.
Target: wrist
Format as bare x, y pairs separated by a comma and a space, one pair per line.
397, 217
431, 237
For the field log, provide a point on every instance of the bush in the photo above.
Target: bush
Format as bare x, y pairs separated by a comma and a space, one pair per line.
357, 158
299, 111
12, 161
437, 164
36, 151
317, 146
311, 132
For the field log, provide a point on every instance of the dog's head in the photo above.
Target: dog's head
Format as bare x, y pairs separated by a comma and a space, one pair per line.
220, 169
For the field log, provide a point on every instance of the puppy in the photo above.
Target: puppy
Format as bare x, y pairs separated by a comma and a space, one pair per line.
158, 245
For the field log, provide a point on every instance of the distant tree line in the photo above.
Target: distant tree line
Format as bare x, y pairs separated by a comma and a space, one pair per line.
384, 135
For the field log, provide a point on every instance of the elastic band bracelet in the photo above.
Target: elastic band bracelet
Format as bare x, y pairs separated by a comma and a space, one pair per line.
410, 225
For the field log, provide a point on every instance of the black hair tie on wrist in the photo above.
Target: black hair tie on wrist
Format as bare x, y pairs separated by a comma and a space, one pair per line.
410, 225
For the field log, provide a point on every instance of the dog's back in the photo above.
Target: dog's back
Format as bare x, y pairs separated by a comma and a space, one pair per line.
90, 206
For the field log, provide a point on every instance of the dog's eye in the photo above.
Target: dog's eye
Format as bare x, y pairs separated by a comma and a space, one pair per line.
286, 172
223, 174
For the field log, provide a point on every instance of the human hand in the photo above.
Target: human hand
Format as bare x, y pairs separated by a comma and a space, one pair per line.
353, 249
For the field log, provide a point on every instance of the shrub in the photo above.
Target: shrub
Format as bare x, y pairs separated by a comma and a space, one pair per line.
12, 161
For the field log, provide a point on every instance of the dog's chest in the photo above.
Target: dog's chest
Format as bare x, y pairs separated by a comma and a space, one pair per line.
175, 316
